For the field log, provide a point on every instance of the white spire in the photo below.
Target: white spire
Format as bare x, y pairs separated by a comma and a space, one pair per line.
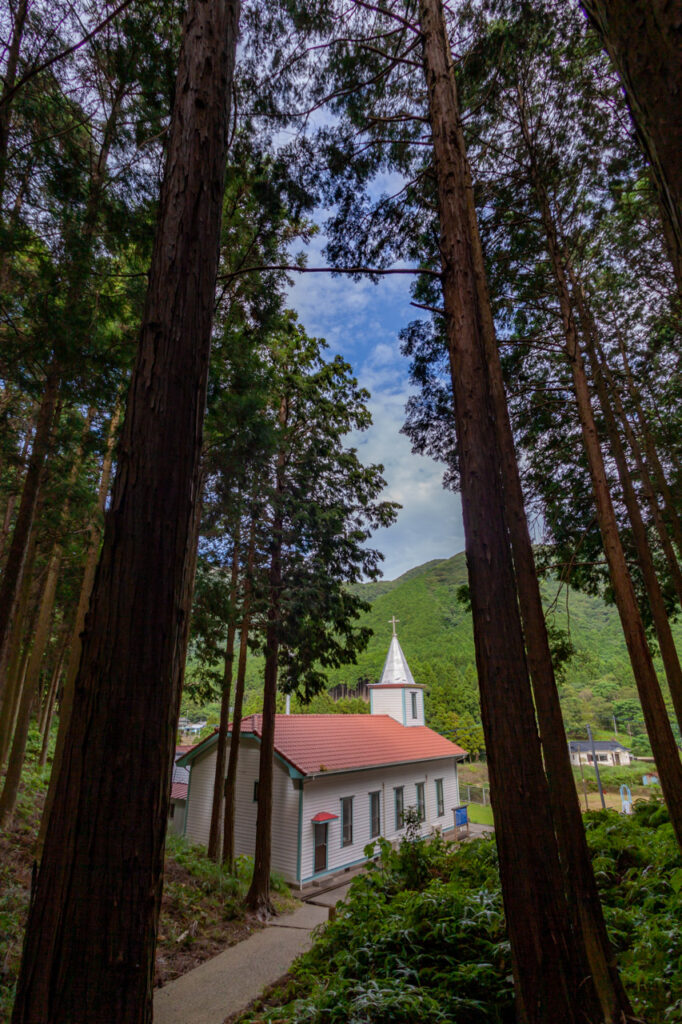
396, 670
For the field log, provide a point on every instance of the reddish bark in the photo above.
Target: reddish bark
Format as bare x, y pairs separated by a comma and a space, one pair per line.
235, 731
649, 490
655, 715
579, 881
66, 702
9, 79
644, 40
51, 699
9, 704
8, 797
669, 655
216, 830
548, 963
11, 580
89, 949
258, 896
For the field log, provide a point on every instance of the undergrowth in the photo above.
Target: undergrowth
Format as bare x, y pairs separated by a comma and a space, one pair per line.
202, 910
422, 935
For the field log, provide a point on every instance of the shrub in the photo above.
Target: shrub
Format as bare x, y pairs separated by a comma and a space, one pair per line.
422, 934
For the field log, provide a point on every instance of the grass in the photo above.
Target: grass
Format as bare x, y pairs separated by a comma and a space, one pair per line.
480, 814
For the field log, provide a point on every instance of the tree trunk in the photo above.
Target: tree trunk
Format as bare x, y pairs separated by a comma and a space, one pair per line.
648, 488
655, 715
658, 725
90, 939
258, 896
671, 661
66, 702
579, 881
51, 701
8, 798
235, 732
654, 463
216, 828
644, 40
9, 79
56, 667
547, 961
7, 522
9, 706
11, 581
12, 500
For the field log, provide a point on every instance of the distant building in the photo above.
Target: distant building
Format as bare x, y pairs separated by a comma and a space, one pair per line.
608, 752
187, 728
340, 780
178, 797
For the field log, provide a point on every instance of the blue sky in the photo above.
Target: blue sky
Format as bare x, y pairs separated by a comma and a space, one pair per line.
362, 321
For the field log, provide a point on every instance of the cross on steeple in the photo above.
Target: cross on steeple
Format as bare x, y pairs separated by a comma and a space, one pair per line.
393, 621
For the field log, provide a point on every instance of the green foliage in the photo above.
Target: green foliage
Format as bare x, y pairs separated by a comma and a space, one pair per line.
212, 878
418, 939
422, 934
628, 775
638, 866
437, 637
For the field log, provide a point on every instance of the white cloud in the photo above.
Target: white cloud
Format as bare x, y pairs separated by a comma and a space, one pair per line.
362, 320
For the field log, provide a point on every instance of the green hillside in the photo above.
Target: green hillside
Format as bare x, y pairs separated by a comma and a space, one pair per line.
435, 632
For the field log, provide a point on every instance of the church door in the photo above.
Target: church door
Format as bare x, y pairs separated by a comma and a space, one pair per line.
320, 846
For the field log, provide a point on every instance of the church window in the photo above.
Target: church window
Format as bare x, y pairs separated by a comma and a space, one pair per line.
421, 801
439, 797
399, 806
346, 821
374, 814
413, 696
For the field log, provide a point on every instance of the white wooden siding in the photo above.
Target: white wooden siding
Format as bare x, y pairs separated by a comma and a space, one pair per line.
388, 701
324, 794
285, 800
419, 720
176, 824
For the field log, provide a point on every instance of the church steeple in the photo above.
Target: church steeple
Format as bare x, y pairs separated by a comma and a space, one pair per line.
396, 694
396, 669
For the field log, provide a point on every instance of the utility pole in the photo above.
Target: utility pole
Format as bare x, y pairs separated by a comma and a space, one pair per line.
582, 776
615, 725
596, 767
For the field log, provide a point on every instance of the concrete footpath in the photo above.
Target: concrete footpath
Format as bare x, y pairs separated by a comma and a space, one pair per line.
228, 982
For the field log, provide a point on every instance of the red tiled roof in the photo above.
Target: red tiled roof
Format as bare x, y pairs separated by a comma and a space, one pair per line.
337, 743
179, 791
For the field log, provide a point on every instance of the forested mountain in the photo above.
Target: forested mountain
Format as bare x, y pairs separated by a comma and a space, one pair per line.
436, 634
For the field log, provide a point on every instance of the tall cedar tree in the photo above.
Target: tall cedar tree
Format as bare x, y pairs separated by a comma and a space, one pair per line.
319, 507
391, 43
262, 215
540, 159
67, 223
525, 43
644, 40
90, 939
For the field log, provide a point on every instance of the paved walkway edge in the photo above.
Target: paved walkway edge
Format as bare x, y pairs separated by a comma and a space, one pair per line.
227, 983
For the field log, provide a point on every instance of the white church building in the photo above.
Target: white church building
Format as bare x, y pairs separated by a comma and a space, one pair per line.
339, 781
